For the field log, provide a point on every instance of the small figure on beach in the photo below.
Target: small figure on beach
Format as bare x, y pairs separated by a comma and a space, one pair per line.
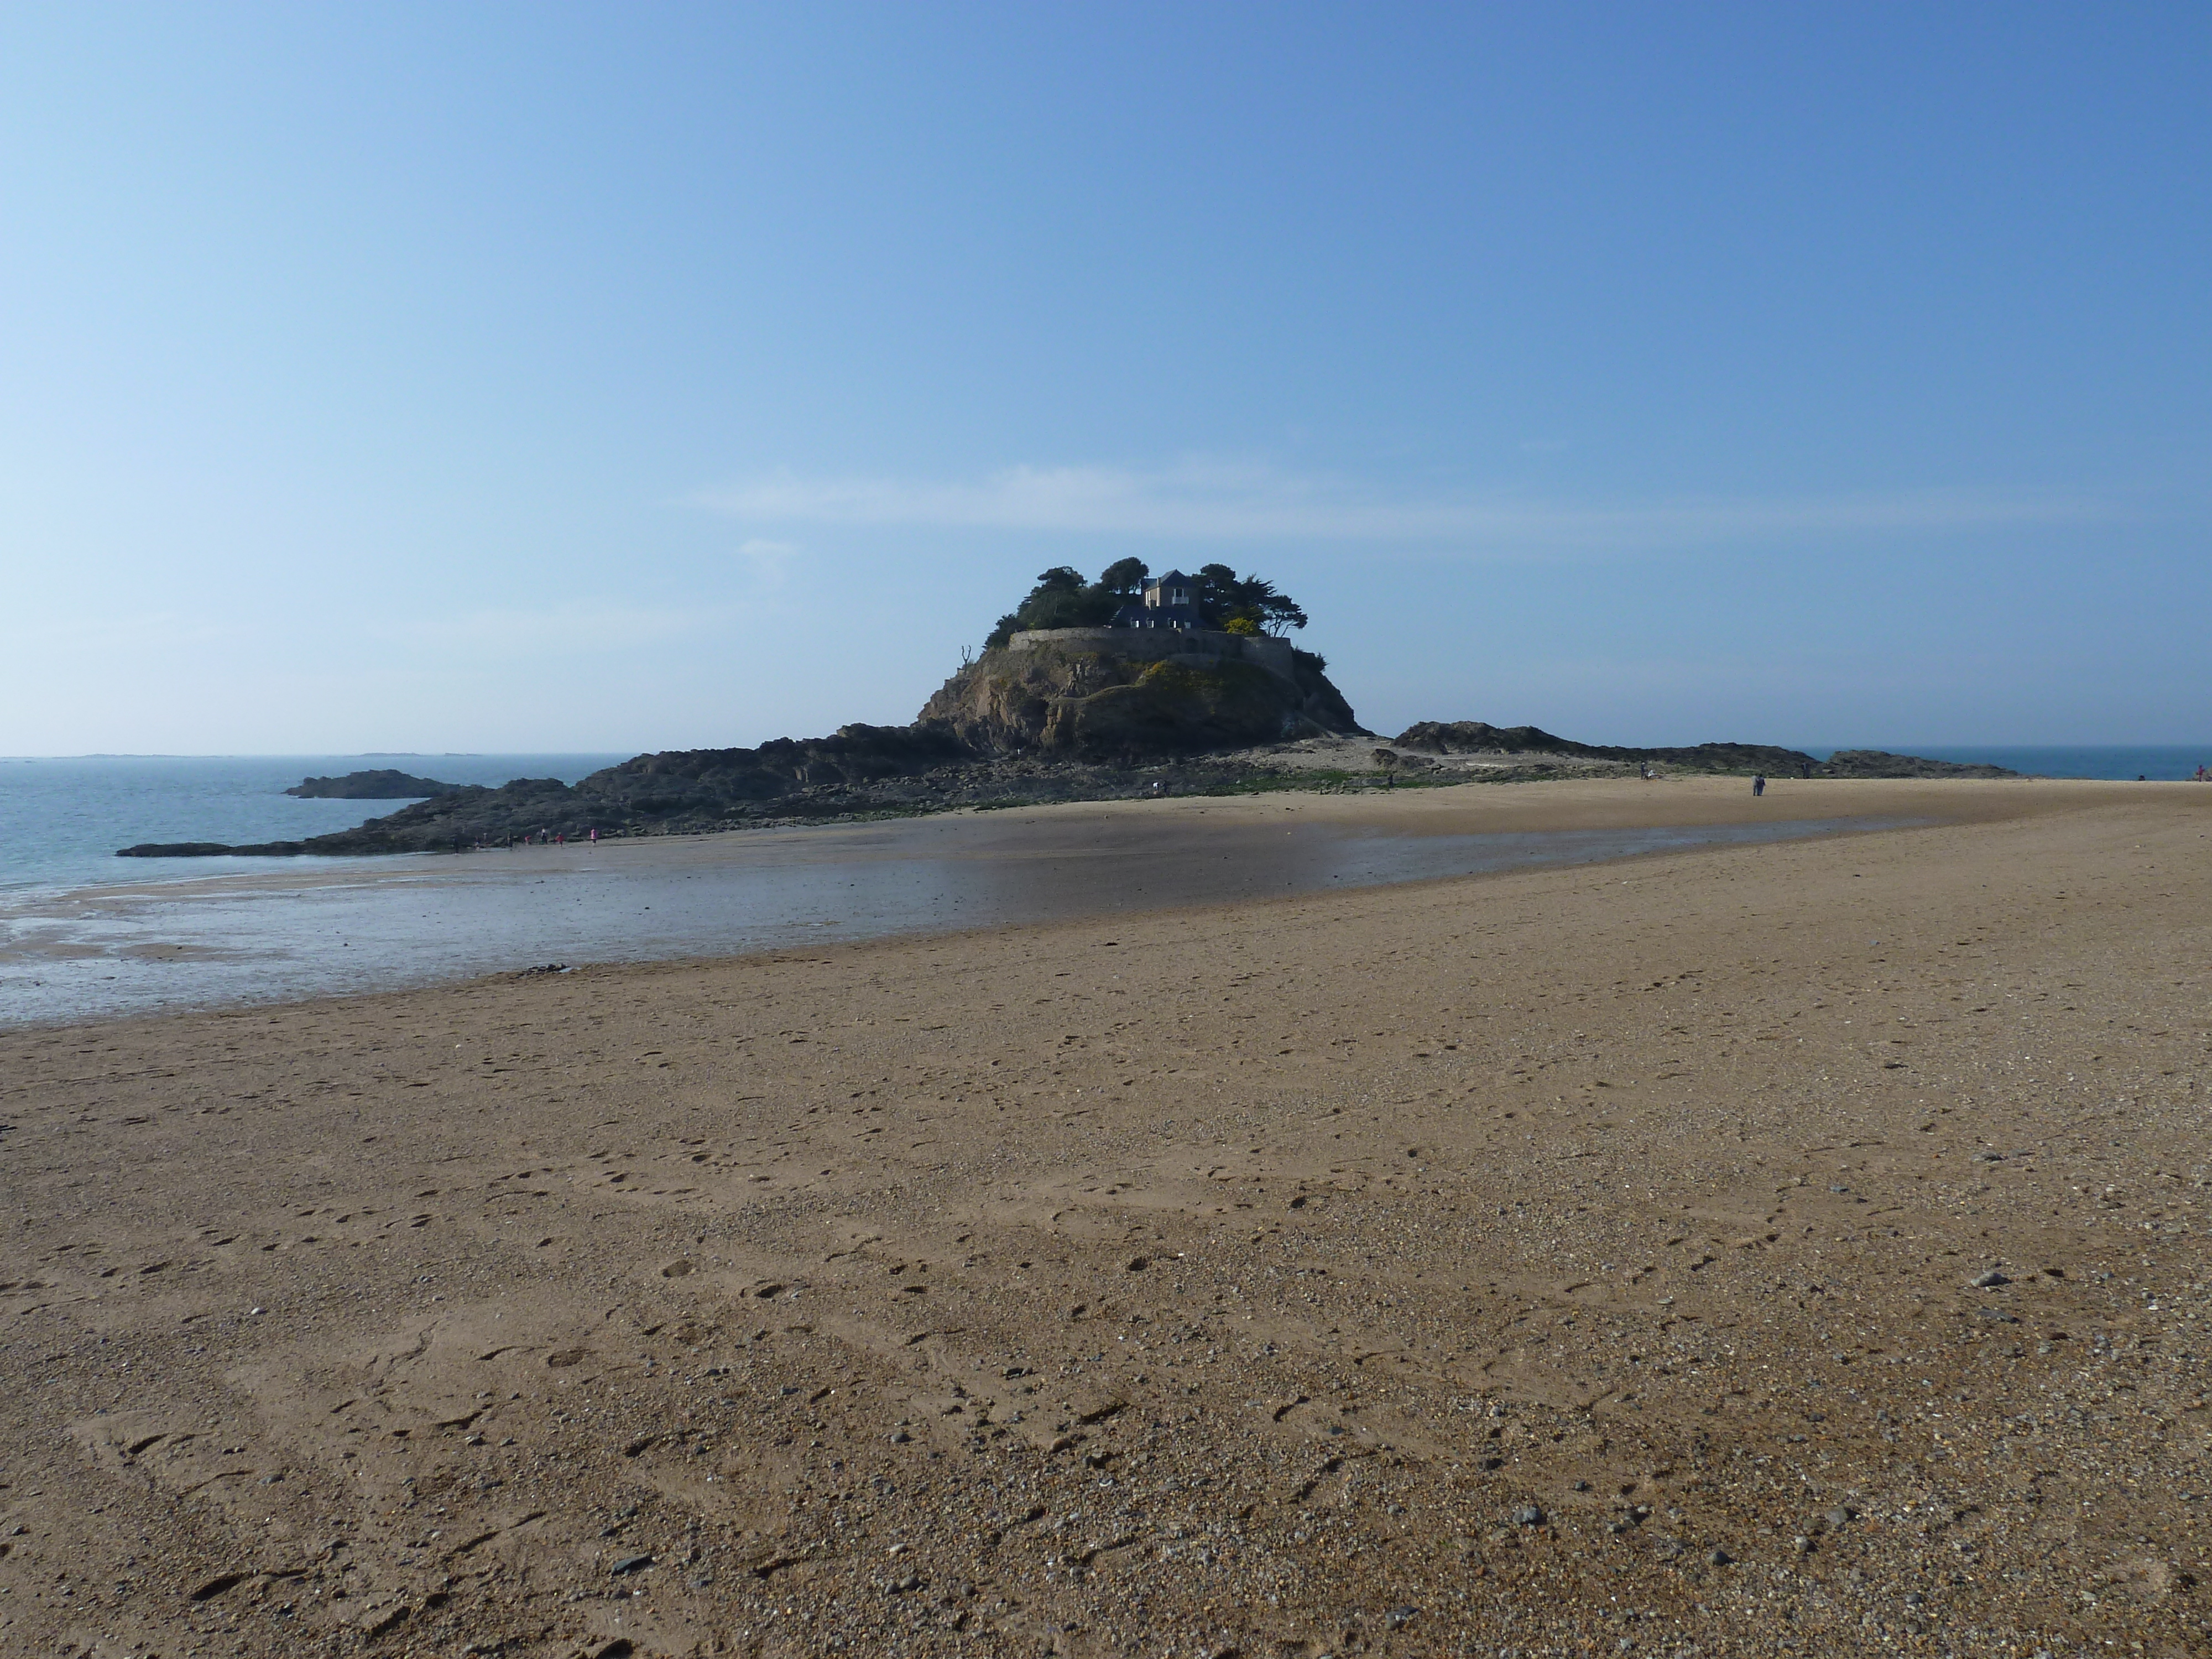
1759, 785
1647, 771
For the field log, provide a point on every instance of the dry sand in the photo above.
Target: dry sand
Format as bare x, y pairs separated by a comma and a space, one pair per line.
1580, 1260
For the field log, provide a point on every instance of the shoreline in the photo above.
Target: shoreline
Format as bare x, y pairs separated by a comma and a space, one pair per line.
970, 758
266, 937
1685, 801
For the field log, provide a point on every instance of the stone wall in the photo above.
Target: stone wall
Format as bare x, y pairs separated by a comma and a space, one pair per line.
1161, 644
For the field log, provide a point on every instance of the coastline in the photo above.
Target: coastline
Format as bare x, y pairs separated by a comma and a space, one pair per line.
61, 817
372, 924
1481, 1261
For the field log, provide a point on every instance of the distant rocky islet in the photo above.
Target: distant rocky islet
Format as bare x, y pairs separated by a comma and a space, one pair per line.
384, 783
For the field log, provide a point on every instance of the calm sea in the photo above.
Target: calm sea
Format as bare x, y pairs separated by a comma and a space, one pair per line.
2161, 762
62, 820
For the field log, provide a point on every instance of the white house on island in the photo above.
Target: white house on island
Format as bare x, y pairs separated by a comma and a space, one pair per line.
1171, 601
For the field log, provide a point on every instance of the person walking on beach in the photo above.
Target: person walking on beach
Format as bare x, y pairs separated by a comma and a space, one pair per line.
1759, 785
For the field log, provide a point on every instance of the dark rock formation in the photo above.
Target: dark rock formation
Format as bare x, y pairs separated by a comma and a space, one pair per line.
707, 784
1879, 763
674, 792
1479, 737
1476, 737
197, 849
712, 789
383, 784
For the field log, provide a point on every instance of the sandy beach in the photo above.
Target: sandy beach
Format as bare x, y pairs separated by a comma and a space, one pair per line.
1780, 1249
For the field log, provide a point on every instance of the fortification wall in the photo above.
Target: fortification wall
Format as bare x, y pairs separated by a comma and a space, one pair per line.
1161, 644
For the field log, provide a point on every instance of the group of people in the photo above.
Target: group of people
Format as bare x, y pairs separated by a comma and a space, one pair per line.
539, 838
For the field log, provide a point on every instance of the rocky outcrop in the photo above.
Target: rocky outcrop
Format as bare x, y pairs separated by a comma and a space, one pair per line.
1879, 763
708, 784
383, 784
1081, 694
1477, 738
706, 790
1053, 721
673, 793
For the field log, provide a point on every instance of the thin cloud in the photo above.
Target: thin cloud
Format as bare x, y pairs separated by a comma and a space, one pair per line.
98, 630
1205, 501
770, 560
584, 628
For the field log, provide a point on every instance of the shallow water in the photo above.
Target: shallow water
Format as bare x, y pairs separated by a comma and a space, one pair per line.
61, 820
110, 951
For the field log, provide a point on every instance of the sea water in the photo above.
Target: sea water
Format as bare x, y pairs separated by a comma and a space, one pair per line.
2158, 762
63, 820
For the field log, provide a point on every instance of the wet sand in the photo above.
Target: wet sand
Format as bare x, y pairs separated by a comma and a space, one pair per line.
1577, 1260
346, 926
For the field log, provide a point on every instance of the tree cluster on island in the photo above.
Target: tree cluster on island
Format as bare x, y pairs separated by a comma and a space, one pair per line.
1063, 599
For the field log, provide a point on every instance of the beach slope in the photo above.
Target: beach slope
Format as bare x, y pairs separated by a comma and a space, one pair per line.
1793, 1245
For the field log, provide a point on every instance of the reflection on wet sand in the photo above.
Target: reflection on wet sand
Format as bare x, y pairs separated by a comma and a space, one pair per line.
338, 928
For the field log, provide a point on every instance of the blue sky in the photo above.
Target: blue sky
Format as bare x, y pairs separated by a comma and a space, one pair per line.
559, 377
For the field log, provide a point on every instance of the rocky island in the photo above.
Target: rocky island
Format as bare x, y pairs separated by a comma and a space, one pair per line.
1133, 684
384, 783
